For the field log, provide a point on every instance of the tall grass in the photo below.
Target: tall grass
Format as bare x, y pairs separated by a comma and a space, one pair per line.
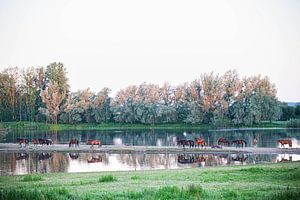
30, 177
107, 178
35, 194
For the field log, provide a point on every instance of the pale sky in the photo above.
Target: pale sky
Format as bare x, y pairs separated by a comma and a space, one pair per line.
119, 43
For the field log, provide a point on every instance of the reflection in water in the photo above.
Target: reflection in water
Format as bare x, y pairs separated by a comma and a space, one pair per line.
23, 163
259, 138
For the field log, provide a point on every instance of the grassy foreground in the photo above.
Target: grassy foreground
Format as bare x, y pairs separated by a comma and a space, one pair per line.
265, 181
120, 126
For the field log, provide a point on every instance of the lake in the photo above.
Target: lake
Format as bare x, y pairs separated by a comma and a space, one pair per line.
13, 163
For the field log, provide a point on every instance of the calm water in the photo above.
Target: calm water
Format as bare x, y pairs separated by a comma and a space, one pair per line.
17, 163
22, 163
267, 138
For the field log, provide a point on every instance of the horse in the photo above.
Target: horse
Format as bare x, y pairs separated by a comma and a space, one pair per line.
223, 141
255, 141
45, 141
74, 142
35, 142
74, 156
23, 141
185, 143
94, 142
95, 159
239, 142
200, 142
286, 141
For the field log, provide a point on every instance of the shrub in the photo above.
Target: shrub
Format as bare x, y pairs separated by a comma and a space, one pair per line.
32, 178
293, 123
107, 178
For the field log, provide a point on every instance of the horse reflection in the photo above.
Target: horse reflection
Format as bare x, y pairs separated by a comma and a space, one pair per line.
185, 158
95, 159
74, 156
21, 156
285, 160
44, 156
239, 158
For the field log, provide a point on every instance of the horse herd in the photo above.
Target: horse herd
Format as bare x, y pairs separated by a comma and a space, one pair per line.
73, 142
225, 142
202, 142
180, 142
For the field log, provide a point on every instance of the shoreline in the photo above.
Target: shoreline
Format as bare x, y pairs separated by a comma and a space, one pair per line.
10, 147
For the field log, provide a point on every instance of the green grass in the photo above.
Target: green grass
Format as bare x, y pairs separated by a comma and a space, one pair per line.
265, 181
27, 178
107, 178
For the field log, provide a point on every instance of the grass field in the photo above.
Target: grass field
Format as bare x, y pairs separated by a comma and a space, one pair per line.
265, 181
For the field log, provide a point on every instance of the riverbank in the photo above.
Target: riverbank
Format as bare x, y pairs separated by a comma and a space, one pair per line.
10, 147
264, 181
118, 126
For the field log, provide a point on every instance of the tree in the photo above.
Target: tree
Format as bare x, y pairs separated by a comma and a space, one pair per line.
53, 96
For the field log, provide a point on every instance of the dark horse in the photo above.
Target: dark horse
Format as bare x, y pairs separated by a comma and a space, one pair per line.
23, 141
42, 141
283, 142
200, 142
185, 143
239, 142
74, 142
94, 142
223, 141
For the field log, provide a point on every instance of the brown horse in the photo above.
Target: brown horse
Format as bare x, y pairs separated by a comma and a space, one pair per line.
23, 141
94, 142
184, 143
42, 142
74, 142
223, 141
239, 142
200, 142
286, 141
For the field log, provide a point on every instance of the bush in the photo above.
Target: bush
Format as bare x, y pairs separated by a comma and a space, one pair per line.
32, 178
107, 178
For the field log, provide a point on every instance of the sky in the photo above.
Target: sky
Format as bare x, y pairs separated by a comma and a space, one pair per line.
118, 43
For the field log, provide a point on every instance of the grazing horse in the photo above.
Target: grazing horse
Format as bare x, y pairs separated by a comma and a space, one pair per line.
286, 141
74, 156
200, 142
94, 142
223, 141
185, 143
95, 159
23, 141
239, 142
45, 141
74, 142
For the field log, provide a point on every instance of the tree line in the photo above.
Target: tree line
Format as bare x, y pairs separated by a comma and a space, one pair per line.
43, 94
